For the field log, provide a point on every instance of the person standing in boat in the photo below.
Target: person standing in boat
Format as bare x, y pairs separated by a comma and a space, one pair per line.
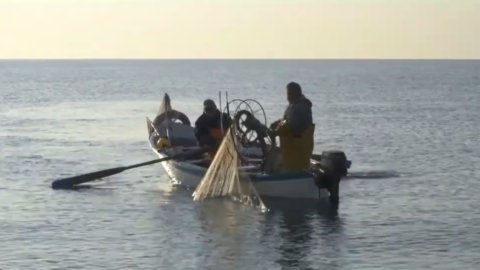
295, 130
208, 128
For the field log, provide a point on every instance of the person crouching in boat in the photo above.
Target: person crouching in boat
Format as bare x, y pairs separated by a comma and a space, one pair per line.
208, 128
295, 130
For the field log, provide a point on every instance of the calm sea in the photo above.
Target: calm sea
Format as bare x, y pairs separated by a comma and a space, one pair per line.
411, 129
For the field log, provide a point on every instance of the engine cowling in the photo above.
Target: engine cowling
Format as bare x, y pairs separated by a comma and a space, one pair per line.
329, 168
333, 162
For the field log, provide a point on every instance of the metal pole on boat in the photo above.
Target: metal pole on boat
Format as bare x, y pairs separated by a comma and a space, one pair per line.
221, 111
226, 100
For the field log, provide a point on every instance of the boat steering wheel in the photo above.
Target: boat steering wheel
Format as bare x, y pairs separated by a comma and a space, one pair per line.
247, 135
242, 111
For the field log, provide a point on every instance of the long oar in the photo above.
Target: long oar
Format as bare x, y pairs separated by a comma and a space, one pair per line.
71, 182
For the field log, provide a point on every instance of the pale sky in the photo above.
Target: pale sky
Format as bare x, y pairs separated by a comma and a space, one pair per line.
239, 29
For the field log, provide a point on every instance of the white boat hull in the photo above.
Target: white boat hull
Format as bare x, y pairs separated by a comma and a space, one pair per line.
288, 186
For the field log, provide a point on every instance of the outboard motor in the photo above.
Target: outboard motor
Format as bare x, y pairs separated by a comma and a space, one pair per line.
329, 169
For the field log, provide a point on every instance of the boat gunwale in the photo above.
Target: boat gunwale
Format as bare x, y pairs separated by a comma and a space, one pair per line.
255, 177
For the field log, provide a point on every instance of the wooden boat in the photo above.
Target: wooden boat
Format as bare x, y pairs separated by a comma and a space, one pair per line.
178, 137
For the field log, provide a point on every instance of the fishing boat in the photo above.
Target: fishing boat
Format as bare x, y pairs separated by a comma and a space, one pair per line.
171, 134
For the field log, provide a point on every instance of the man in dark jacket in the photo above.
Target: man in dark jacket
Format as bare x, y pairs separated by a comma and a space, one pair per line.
296, 130
208, 128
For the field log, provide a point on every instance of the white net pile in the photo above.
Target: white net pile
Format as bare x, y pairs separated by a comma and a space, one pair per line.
225, 178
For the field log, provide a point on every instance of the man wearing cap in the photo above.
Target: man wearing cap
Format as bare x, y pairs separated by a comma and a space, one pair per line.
295, 130
208, 128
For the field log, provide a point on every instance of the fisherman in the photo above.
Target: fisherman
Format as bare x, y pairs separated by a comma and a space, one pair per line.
209, 130
295, 130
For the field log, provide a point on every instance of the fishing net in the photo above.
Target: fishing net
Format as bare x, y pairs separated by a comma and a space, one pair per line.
224, 177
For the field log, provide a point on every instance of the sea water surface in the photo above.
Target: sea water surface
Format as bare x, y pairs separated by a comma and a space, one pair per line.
412, 200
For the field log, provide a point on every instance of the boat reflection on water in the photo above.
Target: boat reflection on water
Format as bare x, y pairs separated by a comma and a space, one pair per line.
309, 235
289, 237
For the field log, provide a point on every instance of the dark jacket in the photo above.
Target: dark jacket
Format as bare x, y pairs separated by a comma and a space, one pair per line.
205, 124
298, 115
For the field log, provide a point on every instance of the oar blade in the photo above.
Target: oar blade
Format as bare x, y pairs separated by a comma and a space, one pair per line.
71, 182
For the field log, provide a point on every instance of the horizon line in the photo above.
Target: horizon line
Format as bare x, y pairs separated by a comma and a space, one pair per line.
235, 59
